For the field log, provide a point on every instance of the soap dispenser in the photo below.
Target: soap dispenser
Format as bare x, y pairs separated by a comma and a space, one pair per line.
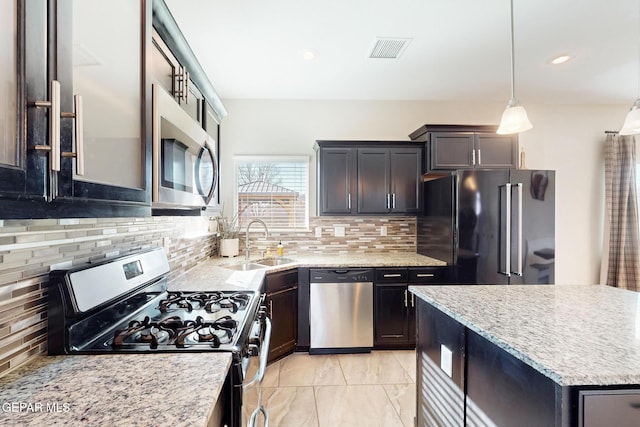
280, 249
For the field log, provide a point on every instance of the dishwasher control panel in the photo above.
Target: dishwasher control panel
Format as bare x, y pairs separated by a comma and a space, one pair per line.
340, 275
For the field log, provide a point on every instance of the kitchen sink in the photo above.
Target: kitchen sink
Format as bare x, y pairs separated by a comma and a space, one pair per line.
245, 266
270, 262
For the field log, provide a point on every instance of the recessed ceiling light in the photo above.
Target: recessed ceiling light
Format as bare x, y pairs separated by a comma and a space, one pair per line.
560, 59
307, 54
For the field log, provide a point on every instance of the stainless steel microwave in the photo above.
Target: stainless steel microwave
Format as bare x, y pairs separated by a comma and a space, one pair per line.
185, 165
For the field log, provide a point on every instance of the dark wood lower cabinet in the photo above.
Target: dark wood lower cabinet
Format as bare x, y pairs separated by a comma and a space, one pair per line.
282, 309
393, 311
394, 317
394, 306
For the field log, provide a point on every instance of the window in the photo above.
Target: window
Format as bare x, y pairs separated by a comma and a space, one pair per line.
273, 189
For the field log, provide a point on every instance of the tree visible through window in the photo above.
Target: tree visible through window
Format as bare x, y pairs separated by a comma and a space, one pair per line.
274, 190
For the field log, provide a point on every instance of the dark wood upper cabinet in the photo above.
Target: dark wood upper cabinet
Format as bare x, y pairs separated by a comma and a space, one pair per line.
77, 77
336, 180
23, 176
374, 196
405, 172
168, 72
368, 177
450, 147
389, 180
83, 70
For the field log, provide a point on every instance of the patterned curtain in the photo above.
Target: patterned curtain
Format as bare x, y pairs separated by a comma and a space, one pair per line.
623, 266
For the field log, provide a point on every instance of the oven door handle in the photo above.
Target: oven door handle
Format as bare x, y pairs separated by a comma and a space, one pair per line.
264, 353
253, 421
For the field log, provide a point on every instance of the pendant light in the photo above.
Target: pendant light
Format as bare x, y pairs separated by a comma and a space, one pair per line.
631, 124
514, 118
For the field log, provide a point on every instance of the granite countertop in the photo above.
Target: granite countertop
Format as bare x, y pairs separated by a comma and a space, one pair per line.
165, 389
212, 274
573, 334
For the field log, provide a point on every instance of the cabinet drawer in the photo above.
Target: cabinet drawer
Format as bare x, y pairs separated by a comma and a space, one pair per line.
429, 275
391, 275
281, 280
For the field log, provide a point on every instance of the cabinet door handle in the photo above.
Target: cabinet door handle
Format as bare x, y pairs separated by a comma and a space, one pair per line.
182, 92
186, 87
479, 157
79, 131
473, 157
271, 309
425, 275
413, 300
54, 129
393, 200
54, 125
392, 275
349, 201
406, 302
388, 201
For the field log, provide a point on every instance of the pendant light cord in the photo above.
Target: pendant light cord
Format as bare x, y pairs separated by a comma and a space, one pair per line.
513, 91
638, 97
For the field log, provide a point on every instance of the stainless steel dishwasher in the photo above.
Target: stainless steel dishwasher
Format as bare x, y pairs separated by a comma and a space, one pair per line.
340, 311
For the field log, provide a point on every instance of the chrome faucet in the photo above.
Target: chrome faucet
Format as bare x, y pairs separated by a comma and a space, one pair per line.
247, 243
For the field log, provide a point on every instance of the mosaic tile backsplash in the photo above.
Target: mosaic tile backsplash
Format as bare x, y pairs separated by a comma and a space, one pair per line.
30, 248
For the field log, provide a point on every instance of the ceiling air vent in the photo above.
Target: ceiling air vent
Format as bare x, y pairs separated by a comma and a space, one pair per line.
389, 47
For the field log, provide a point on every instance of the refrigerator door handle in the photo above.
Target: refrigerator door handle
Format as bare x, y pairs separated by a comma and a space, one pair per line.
519, 231
507, 232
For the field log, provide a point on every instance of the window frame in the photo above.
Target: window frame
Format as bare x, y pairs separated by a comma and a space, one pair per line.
302, 159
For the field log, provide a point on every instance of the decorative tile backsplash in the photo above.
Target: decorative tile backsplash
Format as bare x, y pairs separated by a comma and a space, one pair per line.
30, 248
344, 234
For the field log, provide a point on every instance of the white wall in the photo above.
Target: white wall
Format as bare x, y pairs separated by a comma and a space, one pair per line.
568, 139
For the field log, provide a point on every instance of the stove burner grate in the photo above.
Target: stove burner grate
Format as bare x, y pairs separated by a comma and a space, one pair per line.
175, 331
211, 302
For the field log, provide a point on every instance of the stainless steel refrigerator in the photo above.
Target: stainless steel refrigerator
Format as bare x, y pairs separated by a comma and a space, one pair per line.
491, 226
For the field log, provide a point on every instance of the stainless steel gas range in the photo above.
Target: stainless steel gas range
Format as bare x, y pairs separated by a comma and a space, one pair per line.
122, 305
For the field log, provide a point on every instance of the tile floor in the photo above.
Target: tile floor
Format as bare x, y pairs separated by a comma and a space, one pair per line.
373, 389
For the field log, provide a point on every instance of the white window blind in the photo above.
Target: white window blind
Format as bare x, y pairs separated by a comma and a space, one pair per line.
273, 189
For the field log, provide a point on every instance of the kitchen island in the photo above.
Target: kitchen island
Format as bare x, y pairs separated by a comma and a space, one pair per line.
165, 389
533, 355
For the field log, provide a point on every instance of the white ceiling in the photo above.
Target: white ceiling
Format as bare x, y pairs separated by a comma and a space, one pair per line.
460, 49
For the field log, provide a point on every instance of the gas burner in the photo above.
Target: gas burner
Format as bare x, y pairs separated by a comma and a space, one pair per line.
211, 302
217, 332
234, 302
174, 301
175, 331
146, 331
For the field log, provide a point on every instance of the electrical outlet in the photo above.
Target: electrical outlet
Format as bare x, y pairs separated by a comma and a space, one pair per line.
338, 231
383, 230
318, 231
446, 360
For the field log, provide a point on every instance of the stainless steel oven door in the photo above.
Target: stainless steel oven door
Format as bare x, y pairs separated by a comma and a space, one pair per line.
253, 408
185, 164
